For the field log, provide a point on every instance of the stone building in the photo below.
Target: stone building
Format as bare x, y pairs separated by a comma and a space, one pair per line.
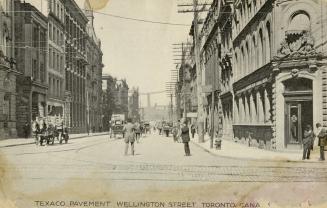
94, 74
279, 59
31, 52
270, 62
76, 61
8, 71
56, 58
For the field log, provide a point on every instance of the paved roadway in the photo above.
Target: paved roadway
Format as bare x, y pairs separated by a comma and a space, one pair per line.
95, 168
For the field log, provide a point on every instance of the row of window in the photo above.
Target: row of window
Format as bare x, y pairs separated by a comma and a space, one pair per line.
57, 8
76, 33
246, 12
56, 60
56, 35
55, 86
253, 53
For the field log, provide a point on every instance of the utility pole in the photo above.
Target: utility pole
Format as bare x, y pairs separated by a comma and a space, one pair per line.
213, 107
198, 72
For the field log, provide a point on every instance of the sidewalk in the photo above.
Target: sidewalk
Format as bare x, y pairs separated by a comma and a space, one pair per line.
26, 141
232, 149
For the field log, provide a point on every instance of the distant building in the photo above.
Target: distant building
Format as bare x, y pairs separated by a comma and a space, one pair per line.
133, 105
121, 98
8, 71
31, 43
114, 97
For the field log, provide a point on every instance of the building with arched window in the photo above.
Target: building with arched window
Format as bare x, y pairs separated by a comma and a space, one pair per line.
270, 68
279, 69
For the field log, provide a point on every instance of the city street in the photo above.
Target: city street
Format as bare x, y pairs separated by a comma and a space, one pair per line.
95, 168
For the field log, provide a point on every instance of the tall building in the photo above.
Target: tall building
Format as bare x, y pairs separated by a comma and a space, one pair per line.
56, 58
31, 52
8, 71
76, 61
94, 74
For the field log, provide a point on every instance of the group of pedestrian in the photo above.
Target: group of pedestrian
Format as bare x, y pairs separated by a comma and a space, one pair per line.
308, 141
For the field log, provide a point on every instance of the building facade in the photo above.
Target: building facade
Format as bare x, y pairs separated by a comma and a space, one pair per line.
56, 58
75, 72
279, 58
8, 71
269, 62
93, 75
31, 52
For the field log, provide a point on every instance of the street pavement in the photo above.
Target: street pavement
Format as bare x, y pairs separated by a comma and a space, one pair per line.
95, 168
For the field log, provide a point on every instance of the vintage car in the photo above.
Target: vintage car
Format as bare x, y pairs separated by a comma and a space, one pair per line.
117, 127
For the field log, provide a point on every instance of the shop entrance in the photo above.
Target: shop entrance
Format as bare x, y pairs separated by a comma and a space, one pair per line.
298, 110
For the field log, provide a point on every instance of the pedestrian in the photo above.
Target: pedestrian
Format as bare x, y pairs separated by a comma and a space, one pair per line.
193, 128
321, 134
185, 134
175, 133
129, 132
137, 131
308, 137
26, 130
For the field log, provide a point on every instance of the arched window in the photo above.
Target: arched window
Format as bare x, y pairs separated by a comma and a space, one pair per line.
254, 48
260, 49
247, 58
242, 62
300, 20
268, 43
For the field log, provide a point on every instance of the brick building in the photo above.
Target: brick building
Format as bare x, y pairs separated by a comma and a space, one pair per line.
8, 71
31, 52
76, 61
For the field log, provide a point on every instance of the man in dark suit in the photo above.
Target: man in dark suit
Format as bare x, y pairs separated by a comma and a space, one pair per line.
185, 134
321, 134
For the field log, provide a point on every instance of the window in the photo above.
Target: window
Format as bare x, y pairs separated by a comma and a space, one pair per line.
42, 73
54, 60
300, 21
50, 57
50, 31
50, 85
58, 60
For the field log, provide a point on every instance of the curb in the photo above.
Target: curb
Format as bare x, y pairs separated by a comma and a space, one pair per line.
29, 143
252, 159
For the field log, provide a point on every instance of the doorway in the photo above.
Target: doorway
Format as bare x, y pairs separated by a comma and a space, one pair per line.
298, 110
299, 114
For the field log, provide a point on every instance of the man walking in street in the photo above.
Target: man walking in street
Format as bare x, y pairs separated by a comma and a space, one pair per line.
185, 134
129, 130
308, 137
321, 134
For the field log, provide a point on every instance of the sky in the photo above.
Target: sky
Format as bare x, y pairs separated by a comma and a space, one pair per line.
140, 52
